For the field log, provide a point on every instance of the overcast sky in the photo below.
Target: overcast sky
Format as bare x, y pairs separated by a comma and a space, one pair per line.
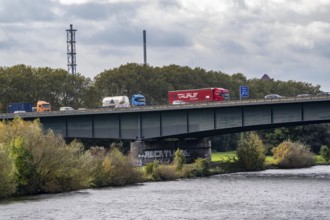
288, 40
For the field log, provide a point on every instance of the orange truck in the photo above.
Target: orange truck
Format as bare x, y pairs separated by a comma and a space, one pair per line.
43, 106
21, 107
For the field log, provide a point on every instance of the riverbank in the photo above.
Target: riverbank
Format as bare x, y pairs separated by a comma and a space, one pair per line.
33, 162
221, 163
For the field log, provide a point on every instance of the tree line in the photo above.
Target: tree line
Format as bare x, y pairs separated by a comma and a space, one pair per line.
22, 83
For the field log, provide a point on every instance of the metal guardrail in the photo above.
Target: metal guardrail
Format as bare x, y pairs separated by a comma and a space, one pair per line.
162, 107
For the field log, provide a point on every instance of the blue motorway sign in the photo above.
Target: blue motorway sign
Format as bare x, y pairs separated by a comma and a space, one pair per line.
244, 91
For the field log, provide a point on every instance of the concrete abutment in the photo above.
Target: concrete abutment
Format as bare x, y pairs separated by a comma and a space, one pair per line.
143, 152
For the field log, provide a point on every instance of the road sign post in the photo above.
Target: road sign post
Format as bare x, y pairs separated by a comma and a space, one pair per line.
243, 92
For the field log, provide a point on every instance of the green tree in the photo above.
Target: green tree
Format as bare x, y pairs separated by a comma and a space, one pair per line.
26, 170
22, 83
225, 142
312, 135
61, 88
273, 137
251, 152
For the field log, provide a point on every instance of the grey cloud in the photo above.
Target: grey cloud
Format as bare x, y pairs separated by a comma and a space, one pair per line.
116, 36
123, 26
252, 37
168, 38
128, 36
25, 10
101, 11
323, 48
169, 4
6, 45
107, 51
233, 47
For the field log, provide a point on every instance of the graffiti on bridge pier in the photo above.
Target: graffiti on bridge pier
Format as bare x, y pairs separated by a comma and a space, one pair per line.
163, 156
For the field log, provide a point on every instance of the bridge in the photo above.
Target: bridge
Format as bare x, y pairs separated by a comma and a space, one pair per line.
185, 126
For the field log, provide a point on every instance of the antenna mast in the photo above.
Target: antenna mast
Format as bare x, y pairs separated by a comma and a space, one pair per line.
71, 49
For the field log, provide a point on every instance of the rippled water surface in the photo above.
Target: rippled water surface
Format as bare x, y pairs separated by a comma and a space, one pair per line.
270, 194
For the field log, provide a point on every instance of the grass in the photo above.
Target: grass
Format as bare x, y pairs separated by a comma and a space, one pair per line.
225, 156
320, 160
222, 156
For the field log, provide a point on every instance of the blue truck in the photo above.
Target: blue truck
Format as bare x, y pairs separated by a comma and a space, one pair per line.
138, 100
19, 107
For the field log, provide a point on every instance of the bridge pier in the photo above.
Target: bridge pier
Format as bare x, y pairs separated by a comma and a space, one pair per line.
143, 152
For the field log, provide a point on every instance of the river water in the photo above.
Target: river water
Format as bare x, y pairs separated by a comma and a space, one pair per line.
270, 194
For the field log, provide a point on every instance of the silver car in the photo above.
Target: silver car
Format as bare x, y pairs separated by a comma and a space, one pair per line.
178, 102
66, 108
304, 95
273, 96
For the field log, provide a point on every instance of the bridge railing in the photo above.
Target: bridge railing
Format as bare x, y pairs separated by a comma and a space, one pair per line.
163, 107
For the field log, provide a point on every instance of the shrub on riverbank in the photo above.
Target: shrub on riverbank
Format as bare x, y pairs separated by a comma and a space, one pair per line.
293, 155
34, 162
155, 171
179, 159
7, 173
251, 152
201, 167
113, 168
177, 169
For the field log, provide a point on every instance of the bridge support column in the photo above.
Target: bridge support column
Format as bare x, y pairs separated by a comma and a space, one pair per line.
136, 149
143, 152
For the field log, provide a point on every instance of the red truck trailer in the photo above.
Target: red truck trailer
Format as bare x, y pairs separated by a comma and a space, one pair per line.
198, 95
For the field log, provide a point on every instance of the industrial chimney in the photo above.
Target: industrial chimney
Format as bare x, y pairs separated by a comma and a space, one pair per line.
145, 47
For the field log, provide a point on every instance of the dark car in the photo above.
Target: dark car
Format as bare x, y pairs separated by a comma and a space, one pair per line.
273, 96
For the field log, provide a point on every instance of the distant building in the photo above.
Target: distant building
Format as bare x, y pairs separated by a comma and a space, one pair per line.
265, 77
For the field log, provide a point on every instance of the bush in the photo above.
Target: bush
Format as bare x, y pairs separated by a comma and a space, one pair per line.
152, 170
66, 168
98, 154
7, 173
293, 155
325, 153
26, 175
43, 162
201, 167
251, 152
117, 170
168, 172
179, 159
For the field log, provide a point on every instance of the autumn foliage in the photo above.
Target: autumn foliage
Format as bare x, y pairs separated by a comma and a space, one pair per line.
293, 155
